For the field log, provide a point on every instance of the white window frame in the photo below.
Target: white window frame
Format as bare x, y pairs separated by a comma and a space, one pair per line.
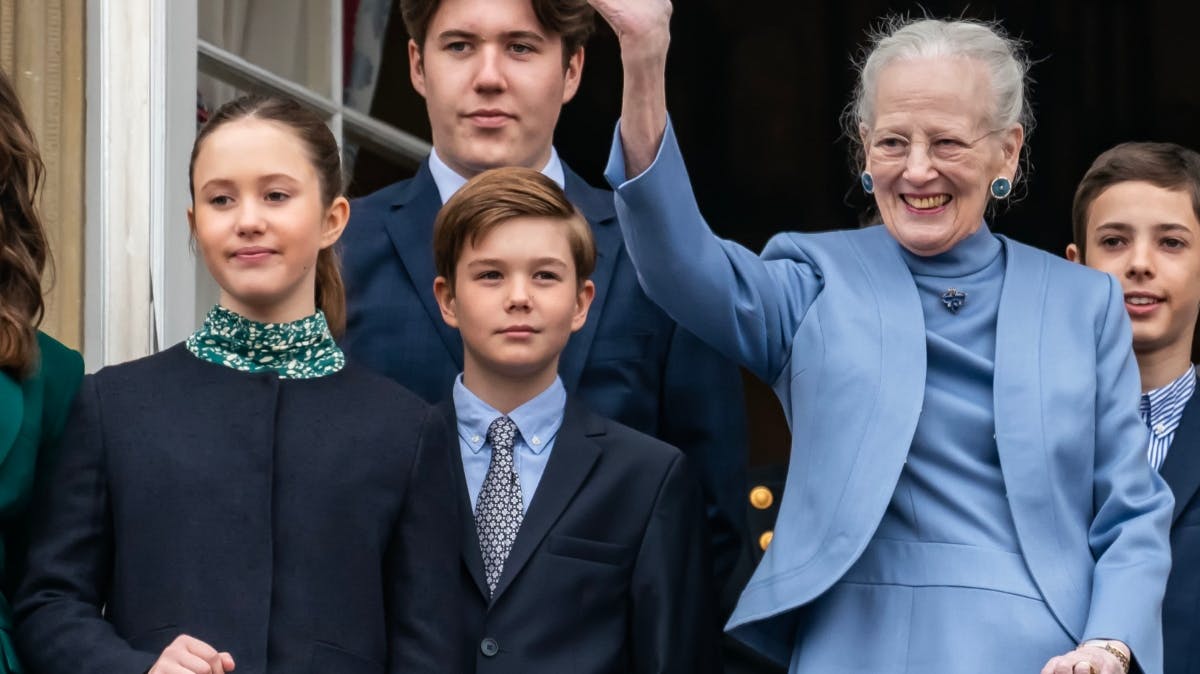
143, 282
136, 79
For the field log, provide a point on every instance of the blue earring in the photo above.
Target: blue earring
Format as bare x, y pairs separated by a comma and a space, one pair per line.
868, 183
1001, 187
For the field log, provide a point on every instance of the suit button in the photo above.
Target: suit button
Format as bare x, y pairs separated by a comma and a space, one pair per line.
761, 498
765, 539
489, 647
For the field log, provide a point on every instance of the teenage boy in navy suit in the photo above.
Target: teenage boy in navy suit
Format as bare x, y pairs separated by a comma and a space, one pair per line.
1137, 216
585, 546
495, 75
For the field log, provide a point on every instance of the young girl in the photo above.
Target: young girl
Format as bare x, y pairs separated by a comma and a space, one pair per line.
249, 498
38, 376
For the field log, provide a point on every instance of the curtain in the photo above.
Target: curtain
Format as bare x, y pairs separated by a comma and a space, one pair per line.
42, 52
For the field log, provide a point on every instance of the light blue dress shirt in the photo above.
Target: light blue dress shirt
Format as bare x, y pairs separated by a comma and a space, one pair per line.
537, 423
1162, 410
448, 181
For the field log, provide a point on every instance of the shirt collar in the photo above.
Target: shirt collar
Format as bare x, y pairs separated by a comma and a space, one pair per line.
1167, 402
301, 349
537, 420
448, 181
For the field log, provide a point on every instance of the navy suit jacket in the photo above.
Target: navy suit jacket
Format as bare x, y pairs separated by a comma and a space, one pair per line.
630, 362
606, 573
299, 525
1181, 607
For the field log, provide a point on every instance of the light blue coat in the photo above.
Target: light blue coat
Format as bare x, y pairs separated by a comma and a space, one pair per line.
833, 323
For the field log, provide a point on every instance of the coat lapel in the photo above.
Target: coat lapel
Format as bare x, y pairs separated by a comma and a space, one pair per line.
1016, 394
1181, 469
410, 227
471, 556
891, 340
597, 206
571, 460
12, 413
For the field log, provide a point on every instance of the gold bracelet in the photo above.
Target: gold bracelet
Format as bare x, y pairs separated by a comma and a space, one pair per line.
1116, 652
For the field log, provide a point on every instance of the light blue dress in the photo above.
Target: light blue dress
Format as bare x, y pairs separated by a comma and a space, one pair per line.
943, 574
966, 491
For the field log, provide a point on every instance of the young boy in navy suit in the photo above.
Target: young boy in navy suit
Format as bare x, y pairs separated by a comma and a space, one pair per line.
1137, 216
585, 546
495, 76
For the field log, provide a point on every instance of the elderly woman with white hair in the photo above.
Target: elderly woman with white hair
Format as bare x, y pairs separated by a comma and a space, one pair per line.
967, 490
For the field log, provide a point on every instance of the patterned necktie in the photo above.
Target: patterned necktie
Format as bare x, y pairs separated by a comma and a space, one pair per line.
498, 511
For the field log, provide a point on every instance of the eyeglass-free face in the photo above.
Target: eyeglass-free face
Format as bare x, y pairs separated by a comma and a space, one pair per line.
1149, 238
258, 219
515, 301
494, 83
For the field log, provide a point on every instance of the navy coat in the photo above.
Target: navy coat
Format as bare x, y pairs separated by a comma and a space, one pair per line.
630, 362
1181, 607
297, 524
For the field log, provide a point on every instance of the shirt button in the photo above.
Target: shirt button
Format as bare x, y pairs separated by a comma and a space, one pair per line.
489, 647
1160, 429
536, 440
475, 438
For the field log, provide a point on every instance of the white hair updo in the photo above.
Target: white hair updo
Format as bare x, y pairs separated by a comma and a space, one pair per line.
899, 38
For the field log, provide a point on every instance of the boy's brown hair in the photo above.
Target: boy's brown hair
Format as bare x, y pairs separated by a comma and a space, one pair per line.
572, 20
1165, 165
497, 196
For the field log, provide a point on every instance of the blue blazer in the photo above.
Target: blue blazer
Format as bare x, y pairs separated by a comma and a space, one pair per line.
1181, 608
590, 588
833, 322
630, 362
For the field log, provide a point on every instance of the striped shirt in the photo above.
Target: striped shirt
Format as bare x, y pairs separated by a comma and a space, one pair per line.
1162, 409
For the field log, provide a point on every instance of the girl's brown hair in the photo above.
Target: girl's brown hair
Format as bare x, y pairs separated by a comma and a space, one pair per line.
326, 158
23, 248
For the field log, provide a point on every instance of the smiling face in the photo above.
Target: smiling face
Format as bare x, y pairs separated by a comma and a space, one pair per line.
259, 221
1149, 238
516, 301
494, 84
931, 152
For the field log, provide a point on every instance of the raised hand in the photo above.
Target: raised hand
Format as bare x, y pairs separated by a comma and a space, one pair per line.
642, 26
189, 655
644, 30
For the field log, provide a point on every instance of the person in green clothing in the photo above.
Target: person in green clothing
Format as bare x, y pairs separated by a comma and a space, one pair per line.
38, 376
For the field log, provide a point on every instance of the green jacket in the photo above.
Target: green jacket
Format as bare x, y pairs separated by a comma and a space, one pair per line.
33, 412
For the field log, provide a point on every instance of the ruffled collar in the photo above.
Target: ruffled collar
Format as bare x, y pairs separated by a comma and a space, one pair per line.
302, 349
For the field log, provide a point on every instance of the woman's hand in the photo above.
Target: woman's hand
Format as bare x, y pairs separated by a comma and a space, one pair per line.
189, 655
643, 28
1089, 658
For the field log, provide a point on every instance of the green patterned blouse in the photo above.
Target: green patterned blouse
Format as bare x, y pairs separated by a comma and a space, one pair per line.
302, 349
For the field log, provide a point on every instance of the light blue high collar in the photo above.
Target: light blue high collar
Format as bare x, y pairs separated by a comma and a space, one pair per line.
966, 257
